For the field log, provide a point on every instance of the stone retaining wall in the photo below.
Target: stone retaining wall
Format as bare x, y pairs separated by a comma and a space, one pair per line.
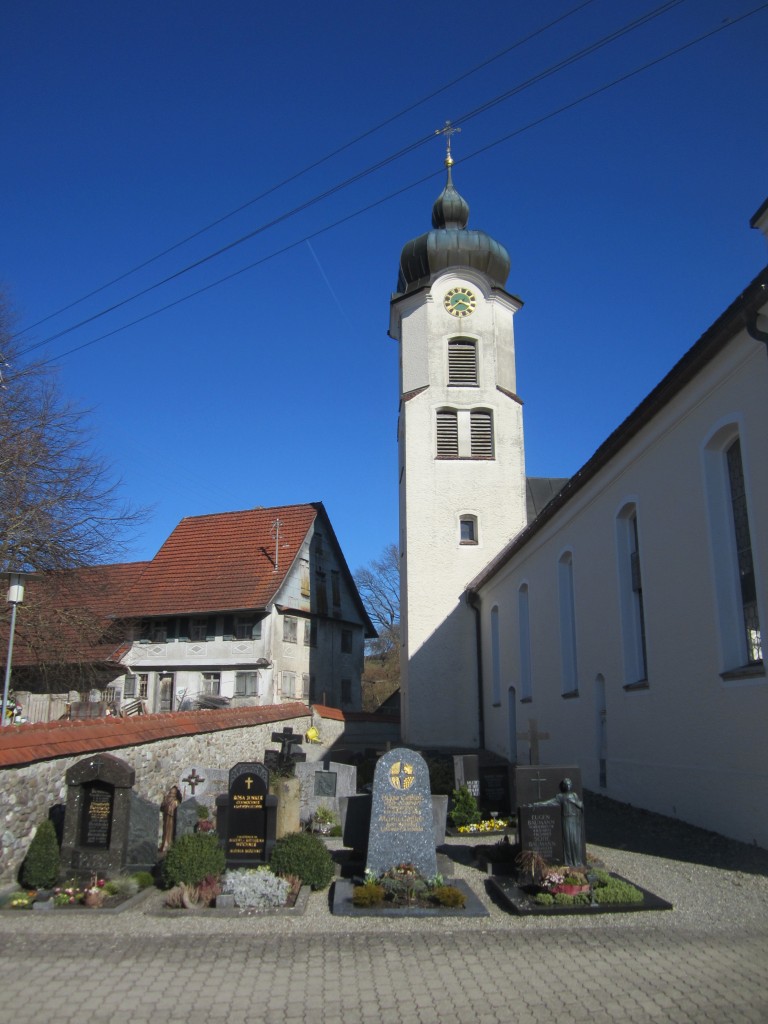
28, 791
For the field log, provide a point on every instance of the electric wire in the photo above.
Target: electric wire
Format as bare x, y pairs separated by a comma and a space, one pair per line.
313, 166
414, 184
371, 169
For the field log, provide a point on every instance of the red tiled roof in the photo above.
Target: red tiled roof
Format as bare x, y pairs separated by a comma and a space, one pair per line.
222, 562
25, 744
65, 615
337, 715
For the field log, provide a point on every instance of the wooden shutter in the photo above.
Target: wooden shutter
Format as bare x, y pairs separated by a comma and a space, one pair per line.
462, 362
447, 434
482, 434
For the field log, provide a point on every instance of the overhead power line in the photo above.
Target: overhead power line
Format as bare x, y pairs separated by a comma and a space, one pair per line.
371, 169
313, 166
414, 184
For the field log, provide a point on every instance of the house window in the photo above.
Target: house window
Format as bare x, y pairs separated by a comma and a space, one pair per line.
462, 362
447, 434
246, 628
158, 631
289, 685
346, 691
524, 621
310, 633
570, 678
198, 629
247, 684
346, 641
306, 685
212, 684
495, 658
289, 629
129, 687
631, 596
468, 530
481, 421
736, 589
136, 686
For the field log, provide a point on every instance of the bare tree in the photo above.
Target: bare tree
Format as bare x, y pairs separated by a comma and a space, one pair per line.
379, 586
59, 504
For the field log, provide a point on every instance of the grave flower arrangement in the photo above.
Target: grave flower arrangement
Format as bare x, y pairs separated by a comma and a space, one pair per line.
486, 826
404, 886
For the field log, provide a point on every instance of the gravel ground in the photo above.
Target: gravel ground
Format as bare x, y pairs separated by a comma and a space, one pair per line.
714, 884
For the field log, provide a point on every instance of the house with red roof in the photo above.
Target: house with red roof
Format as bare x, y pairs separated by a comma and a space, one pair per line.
257, 607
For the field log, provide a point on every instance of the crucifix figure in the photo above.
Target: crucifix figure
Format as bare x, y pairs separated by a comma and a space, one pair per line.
287, 740
533, 736
194, 780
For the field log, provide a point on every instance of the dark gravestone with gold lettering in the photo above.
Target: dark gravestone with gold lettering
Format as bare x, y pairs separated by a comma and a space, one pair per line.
249, 813
107, 827
402, 827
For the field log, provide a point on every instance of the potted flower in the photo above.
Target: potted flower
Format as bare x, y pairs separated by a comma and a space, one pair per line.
323, 820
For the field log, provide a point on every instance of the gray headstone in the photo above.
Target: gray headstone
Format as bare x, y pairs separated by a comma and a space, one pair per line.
142, 834
541, 832
402, 825
325, 784
187, 816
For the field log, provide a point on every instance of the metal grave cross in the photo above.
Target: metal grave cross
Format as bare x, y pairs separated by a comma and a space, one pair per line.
288, 740
194, 780
533, 736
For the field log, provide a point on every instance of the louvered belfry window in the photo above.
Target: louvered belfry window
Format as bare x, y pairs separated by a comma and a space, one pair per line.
462, 362
481, 421
447, 434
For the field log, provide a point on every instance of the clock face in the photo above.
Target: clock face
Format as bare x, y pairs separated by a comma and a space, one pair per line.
460, 302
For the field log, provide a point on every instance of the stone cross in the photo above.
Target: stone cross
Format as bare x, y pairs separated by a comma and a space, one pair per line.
533, 736
194, 780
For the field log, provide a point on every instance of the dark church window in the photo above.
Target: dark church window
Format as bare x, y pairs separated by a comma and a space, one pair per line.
745, 564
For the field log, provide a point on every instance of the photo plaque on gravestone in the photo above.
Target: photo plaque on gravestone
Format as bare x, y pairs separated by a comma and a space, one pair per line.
325, 784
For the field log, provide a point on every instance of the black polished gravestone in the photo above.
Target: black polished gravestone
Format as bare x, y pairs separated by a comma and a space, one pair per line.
466, 772
402, 827
550, 812
249, 816
107, 827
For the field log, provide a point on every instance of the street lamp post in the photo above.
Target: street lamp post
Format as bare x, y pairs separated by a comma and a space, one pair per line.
15, 598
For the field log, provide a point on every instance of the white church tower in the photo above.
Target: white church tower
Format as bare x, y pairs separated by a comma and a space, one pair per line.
461, 460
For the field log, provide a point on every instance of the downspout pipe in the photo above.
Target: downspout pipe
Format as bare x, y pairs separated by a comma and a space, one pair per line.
473, 600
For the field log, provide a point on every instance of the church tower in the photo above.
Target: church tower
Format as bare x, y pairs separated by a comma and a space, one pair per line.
461, 460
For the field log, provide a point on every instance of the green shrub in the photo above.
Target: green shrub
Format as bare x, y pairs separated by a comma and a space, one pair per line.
616, 891
544, 899
465, 810
192, 858
368, 895
305, 855
143, 879
448, 896
40, 869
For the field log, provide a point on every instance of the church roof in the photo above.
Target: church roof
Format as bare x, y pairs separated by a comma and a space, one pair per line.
451, 244
539, 491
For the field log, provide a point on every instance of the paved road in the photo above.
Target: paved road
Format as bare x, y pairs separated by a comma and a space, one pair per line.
568, 972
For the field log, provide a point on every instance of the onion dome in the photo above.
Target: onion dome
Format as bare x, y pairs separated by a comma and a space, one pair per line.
451, 244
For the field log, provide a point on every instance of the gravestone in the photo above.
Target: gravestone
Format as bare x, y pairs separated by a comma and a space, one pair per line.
551, 813
494, 788
466, 772
325, 783
249, 815
402, 829
107, 827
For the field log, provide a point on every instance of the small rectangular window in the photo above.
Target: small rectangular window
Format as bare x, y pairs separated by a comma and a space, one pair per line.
246, 684
468, 530
346, 641
129, 686
289, 629
212, 684
289, 685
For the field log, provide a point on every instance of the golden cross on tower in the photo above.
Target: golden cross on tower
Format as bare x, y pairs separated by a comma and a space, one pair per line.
447, 130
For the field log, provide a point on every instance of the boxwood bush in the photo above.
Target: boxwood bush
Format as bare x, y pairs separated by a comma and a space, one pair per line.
40, 869
193, 858
305, 855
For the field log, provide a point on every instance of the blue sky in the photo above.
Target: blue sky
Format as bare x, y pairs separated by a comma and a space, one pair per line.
129, 127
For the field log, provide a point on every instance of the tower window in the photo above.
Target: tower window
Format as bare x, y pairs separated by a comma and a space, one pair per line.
482, 433
447, 434
468, 530
462, 362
